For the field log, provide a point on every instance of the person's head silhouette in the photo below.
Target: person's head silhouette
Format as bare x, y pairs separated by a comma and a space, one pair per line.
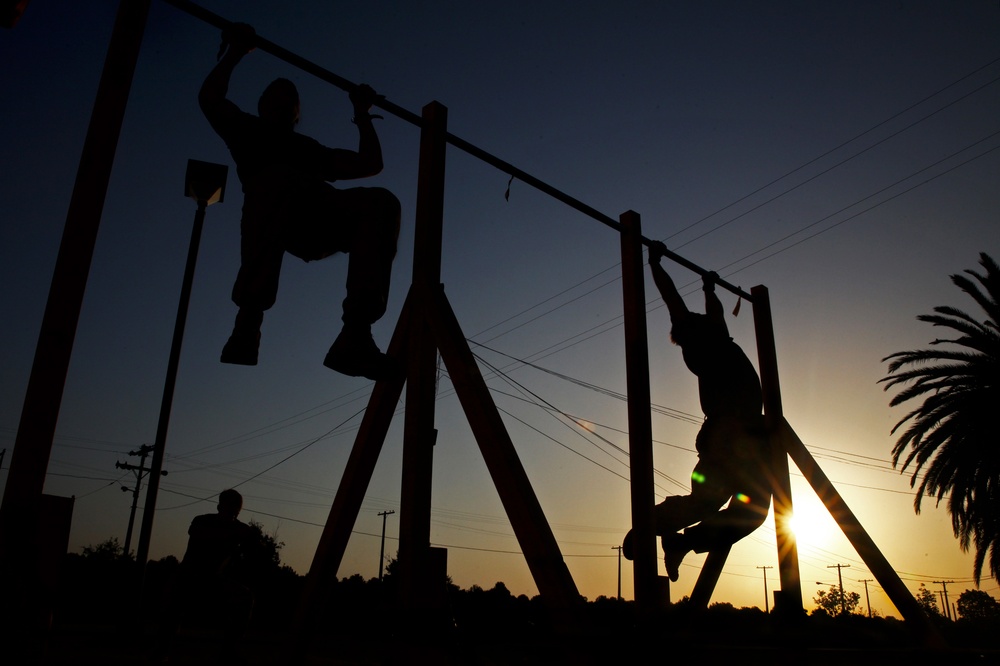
230, 503
279, 103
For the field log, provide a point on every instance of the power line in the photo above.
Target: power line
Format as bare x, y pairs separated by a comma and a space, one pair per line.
866, 210
789, 173
850, 141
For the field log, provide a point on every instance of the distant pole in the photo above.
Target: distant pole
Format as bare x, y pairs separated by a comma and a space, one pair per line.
944, 590
619, 549
840, 581
140, 471
767, 609
381, 553
867, 598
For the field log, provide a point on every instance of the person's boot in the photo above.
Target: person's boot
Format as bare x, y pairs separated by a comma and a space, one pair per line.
243, 344
675, 547
354, 353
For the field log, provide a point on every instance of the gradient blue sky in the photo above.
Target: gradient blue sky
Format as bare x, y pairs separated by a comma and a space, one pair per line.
696, 115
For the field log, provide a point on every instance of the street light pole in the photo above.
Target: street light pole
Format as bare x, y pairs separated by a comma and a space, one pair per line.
206, 184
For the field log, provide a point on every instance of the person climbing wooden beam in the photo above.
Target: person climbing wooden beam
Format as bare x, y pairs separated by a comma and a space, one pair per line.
733, 450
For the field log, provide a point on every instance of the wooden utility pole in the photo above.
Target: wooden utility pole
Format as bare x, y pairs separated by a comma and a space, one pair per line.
381, 552
944, 591
840, 582
140, 472
867, 598
766, 608
619, 549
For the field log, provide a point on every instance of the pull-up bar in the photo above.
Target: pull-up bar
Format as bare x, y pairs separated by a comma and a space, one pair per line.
414, 119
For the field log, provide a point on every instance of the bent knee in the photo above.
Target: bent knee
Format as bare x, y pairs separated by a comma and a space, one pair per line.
386, 203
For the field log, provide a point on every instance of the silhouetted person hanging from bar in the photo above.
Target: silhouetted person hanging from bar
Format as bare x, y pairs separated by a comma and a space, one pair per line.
290, 206
733, 453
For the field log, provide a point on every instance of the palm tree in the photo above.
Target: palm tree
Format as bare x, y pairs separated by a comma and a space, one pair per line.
952, 435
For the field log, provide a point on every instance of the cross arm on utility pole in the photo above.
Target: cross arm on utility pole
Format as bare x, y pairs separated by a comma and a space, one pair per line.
767, 608
944, 590
381, 554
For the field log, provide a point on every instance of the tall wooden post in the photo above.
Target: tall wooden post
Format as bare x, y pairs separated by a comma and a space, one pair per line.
640, 426
767, 358
418, 427
873, 558
21, 515
541, 551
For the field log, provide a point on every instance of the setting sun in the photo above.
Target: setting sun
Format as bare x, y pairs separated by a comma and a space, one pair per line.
812, 523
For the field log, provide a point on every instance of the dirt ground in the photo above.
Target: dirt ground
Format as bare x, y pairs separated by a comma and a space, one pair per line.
106, 646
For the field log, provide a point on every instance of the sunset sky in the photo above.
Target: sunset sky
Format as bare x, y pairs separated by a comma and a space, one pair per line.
846, 155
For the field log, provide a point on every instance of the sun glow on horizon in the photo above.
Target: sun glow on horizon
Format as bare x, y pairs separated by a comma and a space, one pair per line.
812, 523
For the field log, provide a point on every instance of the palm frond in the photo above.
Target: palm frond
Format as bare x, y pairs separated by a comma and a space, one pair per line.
952, 436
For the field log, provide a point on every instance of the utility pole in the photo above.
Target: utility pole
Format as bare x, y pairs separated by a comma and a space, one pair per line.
619, 549
767, 608
140, 472
840, 581
944, 589
867, 599
381, 554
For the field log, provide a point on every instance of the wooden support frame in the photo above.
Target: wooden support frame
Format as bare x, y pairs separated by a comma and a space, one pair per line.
428, 325
886, 576
785, 444
36, 429
781, 484
788, 563
419, 434
640, 425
